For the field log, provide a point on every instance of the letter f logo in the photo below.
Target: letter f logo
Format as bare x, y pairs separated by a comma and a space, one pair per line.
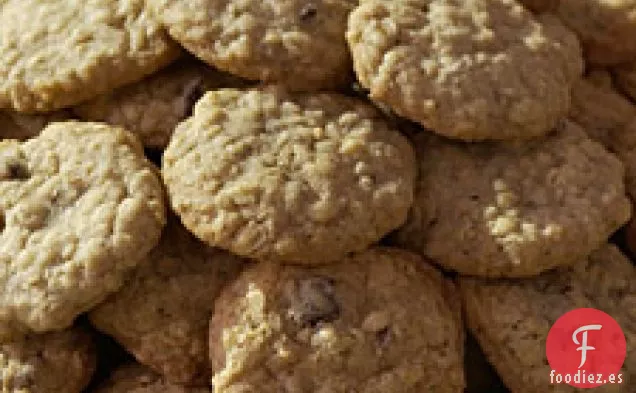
584, 347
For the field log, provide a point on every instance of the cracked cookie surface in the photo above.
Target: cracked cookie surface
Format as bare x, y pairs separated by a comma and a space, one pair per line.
511, 318
58, 362
469, 69
161, 314
303, 178
514, 208
79, 207
296, 42
377, 321
61, 52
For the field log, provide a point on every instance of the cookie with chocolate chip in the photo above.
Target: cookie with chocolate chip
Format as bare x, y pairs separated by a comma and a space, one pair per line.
377, 321
80, 206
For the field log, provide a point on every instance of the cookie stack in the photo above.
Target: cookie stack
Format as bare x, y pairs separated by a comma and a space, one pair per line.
241, 196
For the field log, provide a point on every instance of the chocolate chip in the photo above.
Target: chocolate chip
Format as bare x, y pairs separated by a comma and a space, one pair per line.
18, 171
312, 301
383, 336
308, 12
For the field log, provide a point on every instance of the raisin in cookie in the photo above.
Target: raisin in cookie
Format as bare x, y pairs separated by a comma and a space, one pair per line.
56, 53
302, 178
296, 42
511, 318
514, 208
15, 125
79, 207
467, 69
373, 322
153, 107
162, 313
606, 28
58, 362
134, 378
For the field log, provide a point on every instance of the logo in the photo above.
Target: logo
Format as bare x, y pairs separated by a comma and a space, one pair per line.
586, 348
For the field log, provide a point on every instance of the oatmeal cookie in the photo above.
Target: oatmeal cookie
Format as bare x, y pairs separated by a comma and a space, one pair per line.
134, 378
514, 208
466, 69
302, 178
161, 315
296, 42
511, 318
56, 53
153, 107
79, 207
58, 362
373, 322
609, 118
606, 28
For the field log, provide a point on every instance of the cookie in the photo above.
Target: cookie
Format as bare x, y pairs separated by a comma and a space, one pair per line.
372, 322
153, 107
161, 315
15, 125
470, 70
134, 378
514, 209
59, 362
296, 42
511, 318
79, 206
606, 28
56, 53
302, 178
625, 77
609, 118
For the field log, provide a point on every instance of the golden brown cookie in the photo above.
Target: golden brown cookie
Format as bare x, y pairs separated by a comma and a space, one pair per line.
162, 313
514, 208
153, 107
59, 362
609, 118
374, 322
605, 28
79, 207
511, 318
471, 69
56, 53
303, 178
298, 43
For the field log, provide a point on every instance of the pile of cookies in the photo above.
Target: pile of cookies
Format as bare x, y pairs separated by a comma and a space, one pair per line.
244, 196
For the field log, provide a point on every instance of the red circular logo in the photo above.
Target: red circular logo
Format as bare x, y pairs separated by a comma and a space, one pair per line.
586, 348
